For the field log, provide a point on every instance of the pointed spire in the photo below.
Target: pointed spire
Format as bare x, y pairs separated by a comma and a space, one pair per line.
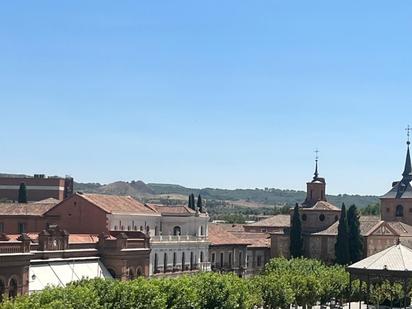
316, 165
408, 168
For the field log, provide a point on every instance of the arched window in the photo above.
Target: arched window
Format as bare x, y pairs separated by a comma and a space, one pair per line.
139, 272
165, 262
177, 231
322, 217
2, 290
12, 288
131, 274
155, 263
399, 211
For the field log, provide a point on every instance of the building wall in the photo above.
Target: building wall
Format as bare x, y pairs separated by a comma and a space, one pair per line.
256, 259
263, 229
193, 255
135, 222
228, 258
280, 245
37, 188
77, 215
31, 224
388, 210
317, 220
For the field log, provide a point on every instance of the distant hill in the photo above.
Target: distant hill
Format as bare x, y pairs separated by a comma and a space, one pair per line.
267, 196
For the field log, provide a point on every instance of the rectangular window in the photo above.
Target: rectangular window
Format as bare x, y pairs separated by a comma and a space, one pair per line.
22, 228
230, 259
1, 227
259, 261
213, 258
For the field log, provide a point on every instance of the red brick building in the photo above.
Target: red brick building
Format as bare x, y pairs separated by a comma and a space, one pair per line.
38, 187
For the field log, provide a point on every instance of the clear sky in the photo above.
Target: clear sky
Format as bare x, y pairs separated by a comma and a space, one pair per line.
231, 94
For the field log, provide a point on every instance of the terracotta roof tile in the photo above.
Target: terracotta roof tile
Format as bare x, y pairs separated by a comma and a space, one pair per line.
117, 203
23, 209
254, 239
278, 220
218, 235
173, 210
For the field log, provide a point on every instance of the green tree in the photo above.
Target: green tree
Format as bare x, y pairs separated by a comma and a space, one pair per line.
200, 204
355, 238
192, 201
22, 193
342, 255
296, 240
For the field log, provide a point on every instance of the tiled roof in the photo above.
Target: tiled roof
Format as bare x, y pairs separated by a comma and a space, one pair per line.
254, 239
278, 220
322, 205
49, 200
399, 190
366, 225
218, 235
395, 258
401, 228
232, 227
117, 203
172, 210
24, 209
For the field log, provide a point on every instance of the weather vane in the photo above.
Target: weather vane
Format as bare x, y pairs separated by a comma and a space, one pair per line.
408, 132
317, 153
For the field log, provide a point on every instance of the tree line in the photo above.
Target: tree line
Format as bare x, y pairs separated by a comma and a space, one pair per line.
299, 282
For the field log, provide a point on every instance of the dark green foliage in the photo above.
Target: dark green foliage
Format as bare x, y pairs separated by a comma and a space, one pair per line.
200, 204
301, 282
296, 240
355, 238
268, 196
342, 255
371, 210
22, 193
192, 203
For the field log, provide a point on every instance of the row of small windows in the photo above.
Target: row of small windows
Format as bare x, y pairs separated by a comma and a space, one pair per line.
177, 230
192, 265
399, 211
321, 217
230, 261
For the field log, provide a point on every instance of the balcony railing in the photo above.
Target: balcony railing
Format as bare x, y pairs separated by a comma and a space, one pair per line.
178, 238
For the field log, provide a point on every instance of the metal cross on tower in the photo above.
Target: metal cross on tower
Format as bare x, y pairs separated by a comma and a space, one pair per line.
408, 132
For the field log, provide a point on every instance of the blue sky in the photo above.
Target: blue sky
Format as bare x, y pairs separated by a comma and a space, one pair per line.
231, 94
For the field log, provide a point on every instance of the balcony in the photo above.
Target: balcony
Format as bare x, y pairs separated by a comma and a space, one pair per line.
178, 238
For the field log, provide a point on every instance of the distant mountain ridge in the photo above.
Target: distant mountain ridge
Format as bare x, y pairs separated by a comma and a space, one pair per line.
267, 196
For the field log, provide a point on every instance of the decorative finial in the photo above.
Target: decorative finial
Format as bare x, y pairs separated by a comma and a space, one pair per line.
408, 132
316, 164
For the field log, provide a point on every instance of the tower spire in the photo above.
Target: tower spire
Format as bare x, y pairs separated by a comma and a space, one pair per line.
407, 173
316, 165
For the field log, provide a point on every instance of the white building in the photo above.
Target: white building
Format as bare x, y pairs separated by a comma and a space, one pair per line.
178, 236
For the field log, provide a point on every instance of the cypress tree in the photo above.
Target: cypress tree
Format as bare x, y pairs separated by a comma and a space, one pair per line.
296, 240
200, 203
22, 193
342, 255
192, 201
355, 238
